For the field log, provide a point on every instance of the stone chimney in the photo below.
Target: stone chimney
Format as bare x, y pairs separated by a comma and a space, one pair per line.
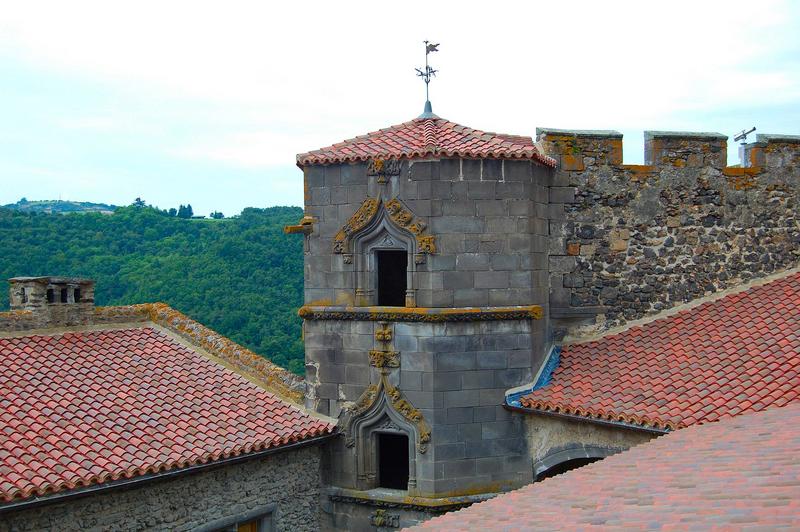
53, 301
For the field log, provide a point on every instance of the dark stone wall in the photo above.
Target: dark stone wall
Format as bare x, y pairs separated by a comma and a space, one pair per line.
290, 480
488, 218
632, 240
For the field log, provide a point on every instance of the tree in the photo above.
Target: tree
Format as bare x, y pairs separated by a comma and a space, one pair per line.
172, 212
139, 202
189, 211
216, 215
185, 211
139, 254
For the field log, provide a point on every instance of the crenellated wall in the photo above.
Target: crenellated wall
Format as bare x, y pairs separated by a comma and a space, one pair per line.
632, 240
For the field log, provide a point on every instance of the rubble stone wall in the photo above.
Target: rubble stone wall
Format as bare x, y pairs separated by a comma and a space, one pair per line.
287, 484
632, 240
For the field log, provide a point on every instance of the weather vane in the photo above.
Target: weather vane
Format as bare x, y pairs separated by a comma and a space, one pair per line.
426, 76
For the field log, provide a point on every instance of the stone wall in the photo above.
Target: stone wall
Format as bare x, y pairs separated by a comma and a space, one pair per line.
41, 302
553, 440
488, 219
289, 480
631, 240
455, 374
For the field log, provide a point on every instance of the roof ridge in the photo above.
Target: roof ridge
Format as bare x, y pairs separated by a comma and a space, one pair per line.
430, 129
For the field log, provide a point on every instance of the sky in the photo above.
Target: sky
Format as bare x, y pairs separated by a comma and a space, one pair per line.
208, 103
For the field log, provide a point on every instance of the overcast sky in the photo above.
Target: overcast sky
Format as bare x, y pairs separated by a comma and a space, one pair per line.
201, 103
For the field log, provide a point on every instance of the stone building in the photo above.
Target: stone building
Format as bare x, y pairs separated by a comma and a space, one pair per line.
481, 311
138, 418
449, 270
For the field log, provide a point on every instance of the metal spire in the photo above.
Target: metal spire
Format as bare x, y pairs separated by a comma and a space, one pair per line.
426, 76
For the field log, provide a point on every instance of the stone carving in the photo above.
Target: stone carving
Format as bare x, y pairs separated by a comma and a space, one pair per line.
426, 244
397, 402
384, 359
364, 214
417, 227
398, 213
365, 401
385, 519
383, 333
387, 241
533, 312
383, 168
388, 424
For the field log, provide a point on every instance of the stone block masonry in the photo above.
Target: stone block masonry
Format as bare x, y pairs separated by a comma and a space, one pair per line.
487, 216
455, 374
637, 239
287, 482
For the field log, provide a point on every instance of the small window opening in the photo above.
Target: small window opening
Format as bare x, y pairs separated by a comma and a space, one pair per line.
64, 295
392, 267
51, 295
76, 295
24, 295
393, 461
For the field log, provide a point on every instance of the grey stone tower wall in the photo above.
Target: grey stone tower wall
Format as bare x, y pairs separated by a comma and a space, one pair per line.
489, 219
456, 374
632, 240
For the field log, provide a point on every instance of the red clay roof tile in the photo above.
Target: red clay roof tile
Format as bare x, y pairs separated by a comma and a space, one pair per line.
724, 357
89, 407
424, 137
724, 475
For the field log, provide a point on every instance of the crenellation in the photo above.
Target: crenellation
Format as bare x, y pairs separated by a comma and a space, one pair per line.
575, 150
685, 149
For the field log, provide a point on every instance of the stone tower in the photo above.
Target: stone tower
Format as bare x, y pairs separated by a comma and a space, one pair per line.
426, 296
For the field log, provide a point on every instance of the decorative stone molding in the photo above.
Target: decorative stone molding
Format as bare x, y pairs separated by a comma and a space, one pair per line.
382, 518
383, 333
384, 359
372, 405
382, 168
365, 213
398, 213
421, 314
432, 505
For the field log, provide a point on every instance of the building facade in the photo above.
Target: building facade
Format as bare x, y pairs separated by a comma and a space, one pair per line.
444, 267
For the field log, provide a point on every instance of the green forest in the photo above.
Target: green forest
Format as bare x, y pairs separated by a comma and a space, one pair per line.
241, 276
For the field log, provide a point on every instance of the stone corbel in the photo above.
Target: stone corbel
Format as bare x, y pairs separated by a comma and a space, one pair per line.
304, 226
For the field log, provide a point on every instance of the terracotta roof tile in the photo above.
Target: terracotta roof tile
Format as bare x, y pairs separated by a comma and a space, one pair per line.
726, 475
424, 137
89, 407
728, 356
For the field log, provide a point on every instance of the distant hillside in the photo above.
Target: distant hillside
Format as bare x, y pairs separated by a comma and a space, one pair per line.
60, 207
240, 276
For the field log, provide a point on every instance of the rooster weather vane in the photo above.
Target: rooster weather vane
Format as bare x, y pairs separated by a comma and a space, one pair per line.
426, 74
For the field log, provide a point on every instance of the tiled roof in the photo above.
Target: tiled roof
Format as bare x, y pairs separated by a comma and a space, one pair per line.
738, 473
425, 137
735, 354
84, 408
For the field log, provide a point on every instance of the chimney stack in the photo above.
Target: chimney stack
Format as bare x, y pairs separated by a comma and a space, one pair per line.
53, 301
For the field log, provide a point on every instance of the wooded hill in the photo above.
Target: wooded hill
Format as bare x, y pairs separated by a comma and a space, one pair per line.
239, 276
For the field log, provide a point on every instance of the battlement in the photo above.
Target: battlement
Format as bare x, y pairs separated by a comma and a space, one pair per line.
578, 150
